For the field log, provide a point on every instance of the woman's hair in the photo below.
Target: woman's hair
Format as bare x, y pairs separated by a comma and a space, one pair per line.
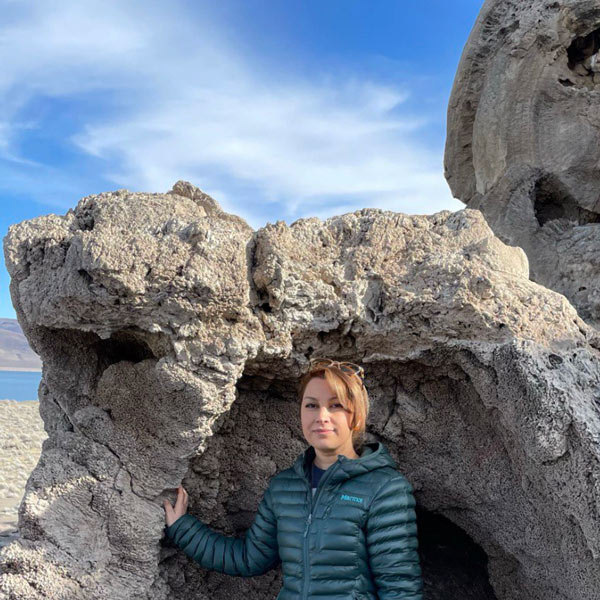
350, 392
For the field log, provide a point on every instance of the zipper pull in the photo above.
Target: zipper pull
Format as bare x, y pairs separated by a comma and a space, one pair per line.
307, 524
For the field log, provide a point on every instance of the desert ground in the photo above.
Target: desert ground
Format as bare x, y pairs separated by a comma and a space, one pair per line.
21, 436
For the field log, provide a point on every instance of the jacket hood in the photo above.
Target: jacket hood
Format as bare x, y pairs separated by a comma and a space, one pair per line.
374, 456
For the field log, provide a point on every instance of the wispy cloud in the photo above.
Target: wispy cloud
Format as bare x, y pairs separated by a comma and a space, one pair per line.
174, 97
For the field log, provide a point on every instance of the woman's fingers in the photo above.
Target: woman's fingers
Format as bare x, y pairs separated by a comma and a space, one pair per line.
179, 500
172, 513
182, 500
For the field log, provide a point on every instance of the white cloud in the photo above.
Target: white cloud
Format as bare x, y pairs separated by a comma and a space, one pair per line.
192, 106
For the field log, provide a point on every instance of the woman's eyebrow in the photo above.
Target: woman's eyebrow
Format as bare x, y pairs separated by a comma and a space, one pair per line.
311, 398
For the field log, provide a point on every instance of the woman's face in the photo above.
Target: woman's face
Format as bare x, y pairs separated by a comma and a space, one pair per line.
320, 410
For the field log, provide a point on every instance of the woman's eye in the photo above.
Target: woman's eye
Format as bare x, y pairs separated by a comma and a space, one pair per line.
311, 404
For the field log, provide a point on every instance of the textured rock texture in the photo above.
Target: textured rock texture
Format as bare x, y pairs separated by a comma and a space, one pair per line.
523, 142
173, 335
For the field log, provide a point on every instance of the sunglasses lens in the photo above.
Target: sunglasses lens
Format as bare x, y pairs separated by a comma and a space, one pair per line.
347, 367
321, 363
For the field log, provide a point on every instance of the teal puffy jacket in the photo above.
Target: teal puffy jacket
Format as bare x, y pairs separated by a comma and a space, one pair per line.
355, 539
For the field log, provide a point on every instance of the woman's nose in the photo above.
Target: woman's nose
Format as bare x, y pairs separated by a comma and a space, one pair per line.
323, 412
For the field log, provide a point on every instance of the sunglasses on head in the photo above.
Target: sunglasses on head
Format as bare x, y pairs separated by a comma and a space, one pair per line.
346, 367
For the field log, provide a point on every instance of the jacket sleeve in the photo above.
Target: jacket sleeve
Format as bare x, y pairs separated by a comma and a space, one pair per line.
392, 544
255, 554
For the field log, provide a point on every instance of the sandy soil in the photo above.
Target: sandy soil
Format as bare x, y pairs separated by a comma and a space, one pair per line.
21, 436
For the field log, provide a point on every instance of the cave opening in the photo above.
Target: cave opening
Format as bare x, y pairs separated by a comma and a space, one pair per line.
121, 345
131, 344
261, 434
583, 54
551, 201
449, 555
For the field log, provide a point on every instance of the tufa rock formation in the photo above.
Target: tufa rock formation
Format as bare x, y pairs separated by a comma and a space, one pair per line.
173, 335
523, 143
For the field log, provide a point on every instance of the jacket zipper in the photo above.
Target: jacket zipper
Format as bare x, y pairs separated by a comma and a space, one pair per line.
313, 505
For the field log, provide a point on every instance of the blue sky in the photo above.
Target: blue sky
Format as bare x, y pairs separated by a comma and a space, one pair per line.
279, 109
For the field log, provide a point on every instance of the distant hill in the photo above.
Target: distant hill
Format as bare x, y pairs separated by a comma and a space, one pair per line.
15, 352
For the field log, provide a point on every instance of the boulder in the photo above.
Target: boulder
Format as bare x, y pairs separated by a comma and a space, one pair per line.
173, 336
523, 142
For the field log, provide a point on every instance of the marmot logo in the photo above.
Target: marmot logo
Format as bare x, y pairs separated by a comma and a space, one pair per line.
353, 498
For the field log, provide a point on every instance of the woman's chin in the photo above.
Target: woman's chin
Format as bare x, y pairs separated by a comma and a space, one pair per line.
327, 441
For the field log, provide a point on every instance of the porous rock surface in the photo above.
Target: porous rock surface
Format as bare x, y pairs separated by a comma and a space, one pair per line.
173, 335
523, 143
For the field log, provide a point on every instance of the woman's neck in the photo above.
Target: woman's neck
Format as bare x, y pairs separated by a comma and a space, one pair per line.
325, 460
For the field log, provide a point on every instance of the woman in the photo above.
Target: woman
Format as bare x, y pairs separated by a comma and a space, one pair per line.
341, 520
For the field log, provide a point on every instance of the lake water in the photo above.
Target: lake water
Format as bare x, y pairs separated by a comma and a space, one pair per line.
19, 385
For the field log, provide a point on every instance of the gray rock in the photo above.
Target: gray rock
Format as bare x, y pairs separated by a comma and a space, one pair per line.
523, 142
173, 336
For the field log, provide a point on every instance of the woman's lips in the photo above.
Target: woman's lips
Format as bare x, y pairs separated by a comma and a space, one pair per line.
323, 431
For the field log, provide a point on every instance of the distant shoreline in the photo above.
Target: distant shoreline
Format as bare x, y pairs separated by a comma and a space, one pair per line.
18, 401
21, 369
